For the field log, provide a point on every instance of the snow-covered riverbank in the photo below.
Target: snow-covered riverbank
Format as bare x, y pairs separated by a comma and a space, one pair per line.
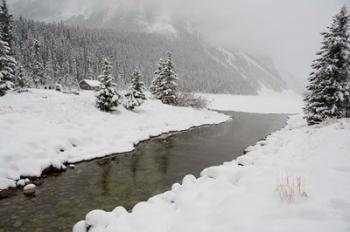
296, 180
46, 128
265, 103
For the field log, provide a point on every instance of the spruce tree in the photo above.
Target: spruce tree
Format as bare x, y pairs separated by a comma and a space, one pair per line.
21, 80
135, 95
6, 78
37, 69
107, 97
164, 85
7, 34
7, 61
6, 26
328, 90
157, 80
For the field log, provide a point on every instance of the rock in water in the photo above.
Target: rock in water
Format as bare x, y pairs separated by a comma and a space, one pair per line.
72, 166
29, 189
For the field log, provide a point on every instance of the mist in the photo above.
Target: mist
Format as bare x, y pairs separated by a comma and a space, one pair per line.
289, 31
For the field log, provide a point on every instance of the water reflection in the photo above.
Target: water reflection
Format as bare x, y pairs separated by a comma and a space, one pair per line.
105, 165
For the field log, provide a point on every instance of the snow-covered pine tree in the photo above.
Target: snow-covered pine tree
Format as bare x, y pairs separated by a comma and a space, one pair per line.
156, 79
21, 80
7, 34
6, 69
107, 97
135, 95
138, 85
165, 83
328, 90
6, 26
37, 69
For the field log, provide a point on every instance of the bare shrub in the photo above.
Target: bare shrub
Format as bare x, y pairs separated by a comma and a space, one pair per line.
289, 188
188, 99
330, 121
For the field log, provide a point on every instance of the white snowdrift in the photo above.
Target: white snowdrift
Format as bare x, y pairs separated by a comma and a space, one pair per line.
232, 197
47, 128
265, 103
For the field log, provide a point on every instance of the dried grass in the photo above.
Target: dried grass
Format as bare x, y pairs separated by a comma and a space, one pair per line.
290, 188
188, 99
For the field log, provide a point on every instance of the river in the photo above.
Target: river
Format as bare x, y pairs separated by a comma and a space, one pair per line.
125, 179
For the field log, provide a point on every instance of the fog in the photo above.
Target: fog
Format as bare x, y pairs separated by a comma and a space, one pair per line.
288, 30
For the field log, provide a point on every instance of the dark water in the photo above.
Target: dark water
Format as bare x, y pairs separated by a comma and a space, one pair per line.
126, 179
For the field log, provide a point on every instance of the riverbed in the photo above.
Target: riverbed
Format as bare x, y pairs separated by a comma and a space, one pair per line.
125, 179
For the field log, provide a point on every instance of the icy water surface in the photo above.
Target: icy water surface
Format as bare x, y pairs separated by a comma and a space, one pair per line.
126, 179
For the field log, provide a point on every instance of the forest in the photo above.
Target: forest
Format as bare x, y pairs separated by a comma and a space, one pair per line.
50, 53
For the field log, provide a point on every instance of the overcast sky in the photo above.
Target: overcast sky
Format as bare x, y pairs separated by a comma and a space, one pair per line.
288, 30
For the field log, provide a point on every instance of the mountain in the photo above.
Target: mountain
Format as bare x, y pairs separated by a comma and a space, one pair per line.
135, 37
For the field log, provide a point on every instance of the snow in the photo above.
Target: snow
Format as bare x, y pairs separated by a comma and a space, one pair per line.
23, 182
29, 187
232, 197
72, 166
265, 102
92, 83
232, 60
45, 128
254, 63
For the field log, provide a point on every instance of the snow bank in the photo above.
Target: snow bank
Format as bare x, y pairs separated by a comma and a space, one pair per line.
266, 102
46, 128
240, 198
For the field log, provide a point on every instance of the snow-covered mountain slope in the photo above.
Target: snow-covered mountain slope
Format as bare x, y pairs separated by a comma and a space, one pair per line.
140, 37
258, 71
249, 71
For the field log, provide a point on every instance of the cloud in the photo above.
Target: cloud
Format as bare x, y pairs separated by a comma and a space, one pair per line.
289, 30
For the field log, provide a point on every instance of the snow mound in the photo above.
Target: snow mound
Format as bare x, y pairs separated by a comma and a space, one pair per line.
232, 197
43, 128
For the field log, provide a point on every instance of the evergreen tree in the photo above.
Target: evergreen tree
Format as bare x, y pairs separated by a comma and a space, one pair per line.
6, 78
37, 69
329, 89
7, 61
157, 80
135, 95
61, 44
164, 86
6, 26
21, 81
7, 34
107, 96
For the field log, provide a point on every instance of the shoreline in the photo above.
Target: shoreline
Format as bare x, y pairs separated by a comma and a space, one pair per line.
53, 171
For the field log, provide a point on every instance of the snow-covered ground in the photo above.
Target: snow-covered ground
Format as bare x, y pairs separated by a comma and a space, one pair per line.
45, 128
265, 102
296, 180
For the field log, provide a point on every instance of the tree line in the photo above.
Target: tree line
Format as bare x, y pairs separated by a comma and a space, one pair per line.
49, 53
164, 87
54, 64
